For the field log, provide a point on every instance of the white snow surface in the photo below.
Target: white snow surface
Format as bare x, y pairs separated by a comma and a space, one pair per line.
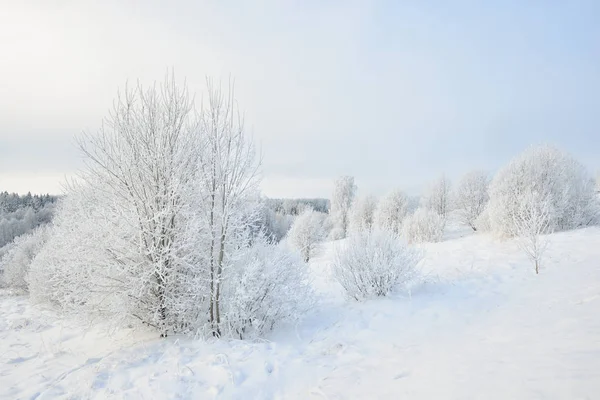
480, 325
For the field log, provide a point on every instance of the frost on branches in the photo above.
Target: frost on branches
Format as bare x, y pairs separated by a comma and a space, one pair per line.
424, 225
438, 197
362, 214
160, 223
554, 176
471, 197
16, 262
307, 233
373, 263
532, 220
342, 198
268, 285
391, 211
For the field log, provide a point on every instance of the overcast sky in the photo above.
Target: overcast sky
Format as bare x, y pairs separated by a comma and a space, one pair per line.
395, 93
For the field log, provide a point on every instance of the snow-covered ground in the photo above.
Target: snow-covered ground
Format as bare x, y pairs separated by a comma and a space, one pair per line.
481, 326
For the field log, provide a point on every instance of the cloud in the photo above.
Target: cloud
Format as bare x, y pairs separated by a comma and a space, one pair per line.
395, 94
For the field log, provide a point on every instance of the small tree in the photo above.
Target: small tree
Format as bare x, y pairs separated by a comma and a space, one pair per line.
423, 226
362, 214
471, 197
438, 197
228, 179
344, 190
391, 211
307, 233
373, 263
532, 220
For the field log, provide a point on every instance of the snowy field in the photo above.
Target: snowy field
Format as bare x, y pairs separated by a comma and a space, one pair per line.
481, 326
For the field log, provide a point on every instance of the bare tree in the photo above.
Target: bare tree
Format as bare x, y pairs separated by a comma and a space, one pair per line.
532, 220
344, 191
471, 197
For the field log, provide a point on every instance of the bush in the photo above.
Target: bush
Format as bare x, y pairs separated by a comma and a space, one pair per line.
373, 263
424, 225
17, 260
269, 285
554, 176
482, 222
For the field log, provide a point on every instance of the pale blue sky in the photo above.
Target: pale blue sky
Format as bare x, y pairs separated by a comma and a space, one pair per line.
395, 93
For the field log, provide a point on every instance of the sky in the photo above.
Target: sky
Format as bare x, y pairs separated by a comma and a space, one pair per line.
394, 93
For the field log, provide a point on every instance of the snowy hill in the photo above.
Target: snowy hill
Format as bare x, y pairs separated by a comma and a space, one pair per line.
481, 325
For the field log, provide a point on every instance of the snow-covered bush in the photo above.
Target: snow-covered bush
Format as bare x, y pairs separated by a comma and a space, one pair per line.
471, 197
482, 222
437, 197
555, 176
17, 260
362, 214
342, 198
307, 233
268, 285
91, 265
424, 225
391, 211
373, 263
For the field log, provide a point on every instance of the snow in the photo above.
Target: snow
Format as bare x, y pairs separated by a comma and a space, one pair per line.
480, 325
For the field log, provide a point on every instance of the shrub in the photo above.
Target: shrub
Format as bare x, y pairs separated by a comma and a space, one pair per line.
16, 262
269, 285
373, 263
424, 225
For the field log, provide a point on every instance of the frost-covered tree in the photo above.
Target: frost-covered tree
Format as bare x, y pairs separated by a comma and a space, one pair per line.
471, 197
141, 167
424, 225
342, 198
362, 214
373, 263
275, 225
530, 222
391, 211
15, 263
437, 197
165, 220
307, 233
228, 179
555, 176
